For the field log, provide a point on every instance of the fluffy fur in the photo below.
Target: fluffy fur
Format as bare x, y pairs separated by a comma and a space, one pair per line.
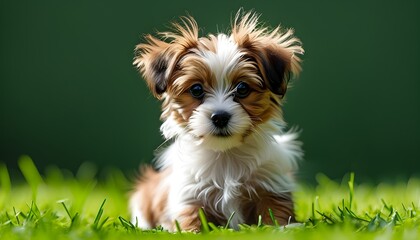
222, 97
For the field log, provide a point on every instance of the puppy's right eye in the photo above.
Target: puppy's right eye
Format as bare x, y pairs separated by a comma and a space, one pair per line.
197, 91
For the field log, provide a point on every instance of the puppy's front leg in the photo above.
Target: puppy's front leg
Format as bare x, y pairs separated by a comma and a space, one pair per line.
189, 219
281, 206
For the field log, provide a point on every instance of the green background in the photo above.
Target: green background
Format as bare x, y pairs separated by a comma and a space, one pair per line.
69, 93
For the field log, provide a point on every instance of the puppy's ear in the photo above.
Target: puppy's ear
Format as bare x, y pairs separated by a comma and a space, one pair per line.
275, 51
276, 65
157, 60
153, 59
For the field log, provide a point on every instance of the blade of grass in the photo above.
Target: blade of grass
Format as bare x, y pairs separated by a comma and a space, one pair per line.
314, 219
33, 211
394, 219
327, 218
103, 223
126, 224
213, 227
178, 227
259, 224
354, 215
5, 184
9, 220
351, 189
273, 219
72, 218
31, 174
16, 215
98, 216
66, 209
204, 222
229, 220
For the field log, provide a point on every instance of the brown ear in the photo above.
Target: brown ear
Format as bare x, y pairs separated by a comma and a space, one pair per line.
274, 66
274, 51
156, 59
153, 61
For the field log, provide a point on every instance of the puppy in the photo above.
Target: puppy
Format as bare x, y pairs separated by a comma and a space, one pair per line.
222, 96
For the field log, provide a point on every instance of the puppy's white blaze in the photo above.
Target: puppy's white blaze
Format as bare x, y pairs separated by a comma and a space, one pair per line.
223, 61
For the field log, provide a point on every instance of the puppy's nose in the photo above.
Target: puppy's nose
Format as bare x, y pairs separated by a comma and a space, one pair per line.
220, 119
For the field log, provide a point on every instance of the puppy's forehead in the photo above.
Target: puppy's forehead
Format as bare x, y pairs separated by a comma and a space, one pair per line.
223, 58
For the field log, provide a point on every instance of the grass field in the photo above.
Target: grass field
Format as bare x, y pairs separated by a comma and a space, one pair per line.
60, 205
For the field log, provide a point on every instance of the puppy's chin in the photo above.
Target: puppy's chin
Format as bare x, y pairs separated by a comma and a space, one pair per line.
219, 143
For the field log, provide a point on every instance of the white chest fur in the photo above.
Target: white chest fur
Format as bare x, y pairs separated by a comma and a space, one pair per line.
217, 180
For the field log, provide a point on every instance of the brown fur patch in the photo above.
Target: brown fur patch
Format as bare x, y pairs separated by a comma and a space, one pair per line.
192, 70
153, 196
281, 205
259, 107
259, 103
190, 220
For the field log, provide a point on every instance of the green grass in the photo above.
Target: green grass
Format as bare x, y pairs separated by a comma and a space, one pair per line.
59, 205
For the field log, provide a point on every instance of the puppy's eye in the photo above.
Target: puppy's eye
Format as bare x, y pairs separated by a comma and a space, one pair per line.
242, 90
197, 91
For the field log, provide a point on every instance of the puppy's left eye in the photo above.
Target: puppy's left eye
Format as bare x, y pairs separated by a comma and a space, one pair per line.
242, 90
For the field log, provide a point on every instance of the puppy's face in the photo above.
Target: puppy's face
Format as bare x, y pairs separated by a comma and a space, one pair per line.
220, 89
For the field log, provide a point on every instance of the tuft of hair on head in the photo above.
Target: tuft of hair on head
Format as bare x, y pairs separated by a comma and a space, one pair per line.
276, 51
156, 58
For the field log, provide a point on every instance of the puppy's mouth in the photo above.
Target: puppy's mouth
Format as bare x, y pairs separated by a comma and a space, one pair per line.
218, 133
220, 139
222, 134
